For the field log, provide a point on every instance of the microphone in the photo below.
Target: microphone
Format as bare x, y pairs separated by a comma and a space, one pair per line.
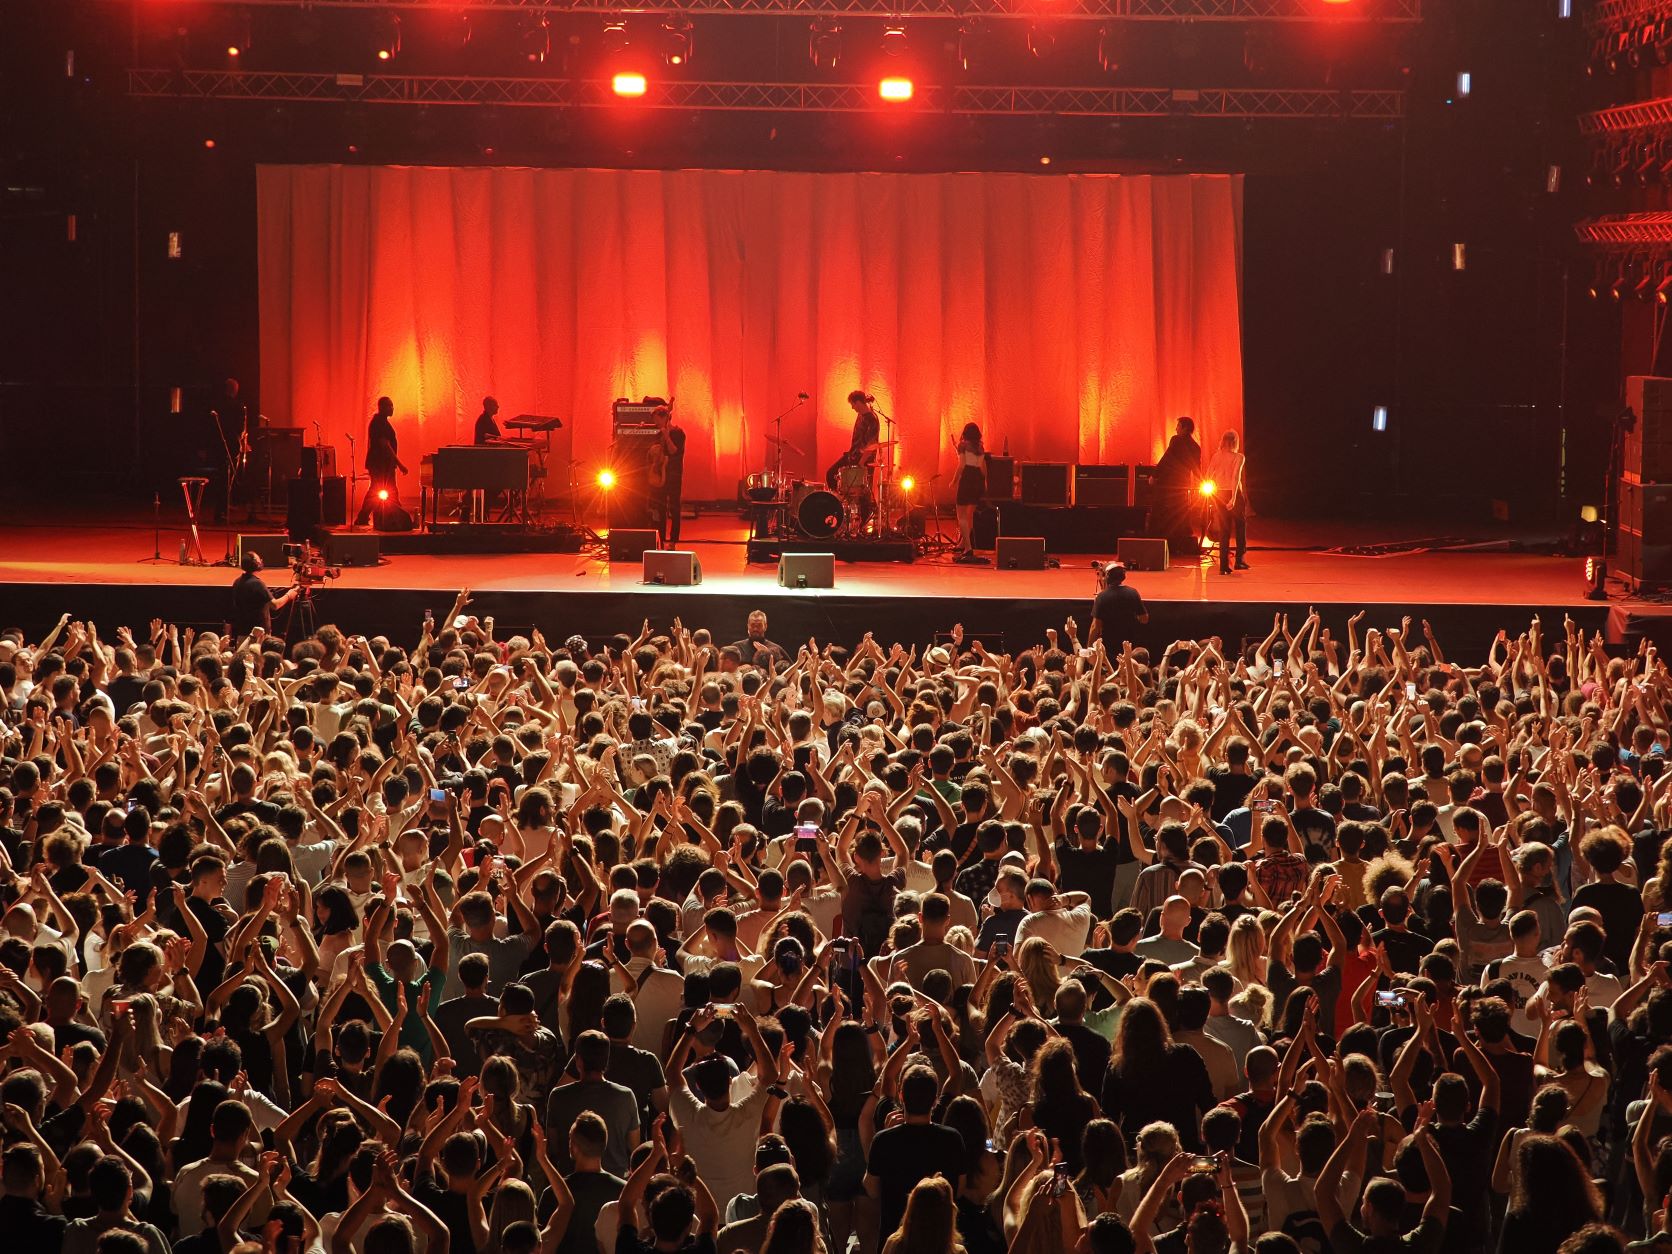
870, 400
802, 395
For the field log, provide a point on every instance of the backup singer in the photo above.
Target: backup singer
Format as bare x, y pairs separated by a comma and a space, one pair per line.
861, 454
972, 486
1229, 472
382, 461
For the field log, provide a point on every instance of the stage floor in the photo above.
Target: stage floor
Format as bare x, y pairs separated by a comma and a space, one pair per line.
99, 568
1286, 566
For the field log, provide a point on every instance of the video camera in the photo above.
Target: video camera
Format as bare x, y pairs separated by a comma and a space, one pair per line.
308, 567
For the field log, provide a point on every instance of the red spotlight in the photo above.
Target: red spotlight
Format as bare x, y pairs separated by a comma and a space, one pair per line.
208, 143
629, 85
383, 494
233, 50
896, 90
383, 54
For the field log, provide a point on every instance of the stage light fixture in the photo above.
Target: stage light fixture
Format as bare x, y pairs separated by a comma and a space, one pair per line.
238, 43
382, 494
1596, 579
606, 479
537, 42
208, 143
1465, 84
461, 32
1564, 9
1207, 487
1552, 179
614, 39
174, 246
1459, 257
1387, 261
676, 40
1617, 288
1042, 40
630, 86
896, 89
386, 37
1379, 418
824, 44
1663, 289
1108, 49
174, 400
894, 39
908, 484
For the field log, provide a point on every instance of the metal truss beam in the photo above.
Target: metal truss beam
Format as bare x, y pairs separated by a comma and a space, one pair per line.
1354, 11
1112, 102
1627, 232
1638, 116
1617, 15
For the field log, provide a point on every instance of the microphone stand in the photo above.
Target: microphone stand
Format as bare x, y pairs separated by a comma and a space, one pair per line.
887, 485
353, 485
778, 445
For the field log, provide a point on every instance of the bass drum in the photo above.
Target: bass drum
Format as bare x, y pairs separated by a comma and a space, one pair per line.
818, 512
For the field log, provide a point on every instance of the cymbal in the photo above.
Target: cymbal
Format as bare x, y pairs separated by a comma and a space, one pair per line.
779, 440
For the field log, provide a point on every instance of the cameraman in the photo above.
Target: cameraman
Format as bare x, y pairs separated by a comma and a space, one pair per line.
253, 602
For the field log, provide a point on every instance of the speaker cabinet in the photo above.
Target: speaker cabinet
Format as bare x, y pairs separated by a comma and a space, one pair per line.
630, 544
1019, 553
270, 546
353, 548
301, 514
677, 568
1001, 478
1142, 553
1648, 445
807, 570
1102, 485
1047, 483
333, 501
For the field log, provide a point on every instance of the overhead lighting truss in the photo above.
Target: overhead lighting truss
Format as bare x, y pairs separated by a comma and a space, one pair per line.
1617, 15
1110, 102
1627, 232
1357, 11
1638, 116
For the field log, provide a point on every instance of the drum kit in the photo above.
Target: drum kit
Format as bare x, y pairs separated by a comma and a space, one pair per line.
783, 505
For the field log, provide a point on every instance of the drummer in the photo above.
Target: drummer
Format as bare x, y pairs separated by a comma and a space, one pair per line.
853, 474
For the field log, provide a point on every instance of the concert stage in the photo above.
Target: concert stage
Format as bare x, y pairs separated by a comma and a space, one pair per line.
98, 569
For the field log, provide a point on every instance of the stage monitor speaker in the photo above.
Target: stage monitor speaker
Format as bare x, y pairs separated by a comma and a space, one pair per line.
1019, 553
1142, 553
1644, 561
1001, 478
333, 501
630, 544
807, 570
986, 526
676, 568
301, 515
353, 548
269, 544
1047, 483
1648, 444
319, 461
1102, 485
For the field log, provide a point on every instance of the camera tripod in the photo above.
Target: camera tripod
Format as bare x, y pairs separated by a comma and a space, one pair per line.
300, 613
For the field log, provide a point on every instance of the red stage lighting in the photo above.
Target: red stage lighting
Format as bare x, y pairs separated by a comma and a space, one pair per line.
233, 50
896, 90
383, 494
629, 85
208, 143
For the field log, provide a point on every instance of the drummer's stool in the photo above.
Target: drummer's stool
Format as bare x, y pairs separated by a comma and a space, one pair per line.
191, 487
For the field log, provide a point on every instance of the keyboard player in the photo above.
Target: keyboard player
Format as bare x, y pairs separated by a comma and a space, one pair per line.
487, 428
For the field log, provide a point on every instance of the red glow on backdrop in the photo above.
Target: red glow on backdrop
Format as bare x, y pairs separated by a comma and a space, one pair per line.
629, 85
896, 89
1094, 352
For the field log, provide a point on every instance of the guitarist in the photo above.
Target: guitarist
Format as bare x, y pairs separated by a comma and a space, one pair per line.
665, 472
1229, 472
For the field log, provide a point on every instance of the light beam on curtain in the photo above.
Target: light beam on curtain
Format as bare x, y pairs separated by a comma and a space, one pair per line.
1074, 317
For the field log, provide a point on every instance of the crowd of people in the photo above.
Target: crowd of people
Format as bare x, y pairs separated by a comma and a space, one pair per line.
477, 945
